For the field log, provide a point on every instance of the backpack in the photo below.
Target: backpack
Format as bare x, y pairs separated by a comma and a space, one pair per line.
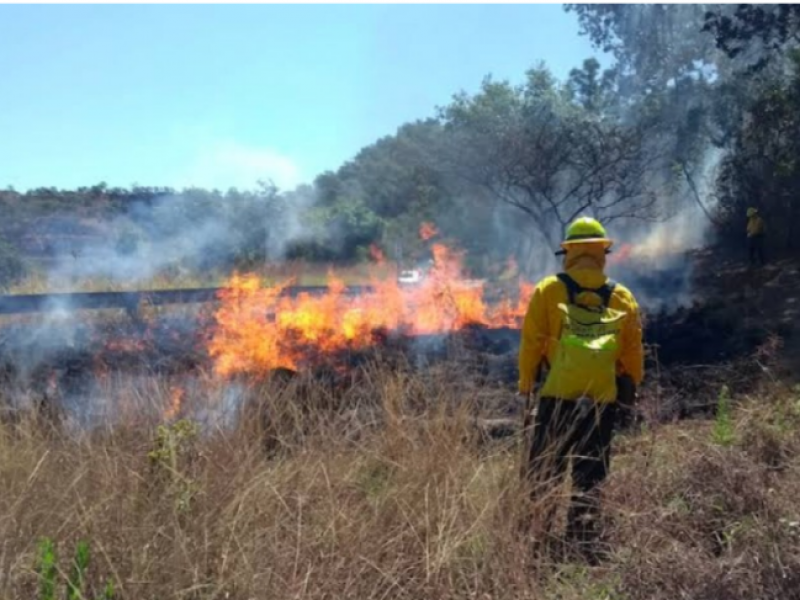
585, 361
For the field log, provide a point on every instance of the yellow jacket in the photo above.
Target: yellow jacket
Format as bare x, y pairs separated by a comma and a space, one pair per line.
755, 226
540, 330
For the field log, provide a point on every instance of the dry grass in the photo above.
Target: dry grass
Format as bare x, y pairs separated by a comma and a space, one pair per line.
389, 494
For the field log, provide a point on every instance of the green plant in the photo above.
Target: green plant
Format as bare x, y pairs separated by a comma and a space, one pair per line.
77, 577
76, 583
172, 442
172, 449
47, 569
723, 432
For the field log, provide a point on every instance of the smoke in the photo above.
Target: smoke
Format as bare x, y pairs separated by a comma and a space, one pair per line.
189, 235
182, 234
656, 259
223, 163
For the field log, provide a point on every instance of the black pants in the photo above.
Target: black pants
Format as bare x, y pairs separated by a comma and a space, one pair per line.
580, 431
755, 249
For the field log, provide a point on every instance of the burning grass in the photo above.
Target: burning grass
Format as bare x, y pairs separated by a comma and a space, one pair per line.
257, 329
389, 492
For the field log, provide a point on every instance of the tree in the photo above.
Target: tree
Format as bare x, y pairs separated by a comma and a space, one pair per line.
653, 44
763, 168
550, 158
757, 32
593, 90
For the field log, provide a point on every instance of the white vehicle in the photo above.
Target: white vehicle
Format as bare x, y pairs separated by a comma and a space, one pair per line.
410, 277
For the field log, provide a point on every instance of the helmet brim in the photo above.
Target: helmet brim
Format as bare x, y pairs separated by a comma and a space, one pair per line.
605, 242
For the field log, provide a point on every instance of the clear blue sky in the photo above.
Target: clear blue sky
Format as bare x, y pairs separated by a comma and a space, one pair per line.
224, 95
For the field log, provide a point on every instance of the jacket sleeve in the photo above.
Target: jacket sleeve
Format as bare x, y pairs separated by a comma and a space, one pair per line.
632, 355
533, 344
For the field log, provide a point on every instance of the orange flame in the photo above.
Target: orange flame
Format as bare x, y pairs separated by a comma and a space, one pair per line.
621, 255
377, 254
258, 329
175, 403
427, 231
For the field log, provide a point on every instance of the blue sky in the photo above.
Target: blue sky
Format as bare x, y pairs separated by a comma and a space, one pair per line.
222, 95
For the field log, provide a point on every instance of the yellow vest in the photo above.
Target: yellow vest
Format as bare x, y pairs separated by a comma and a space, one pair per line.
755, 226
542, 328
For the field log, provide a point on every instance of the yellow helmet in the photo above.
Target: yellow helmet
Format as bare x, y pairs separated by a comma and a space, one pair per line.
585, 230
751, 211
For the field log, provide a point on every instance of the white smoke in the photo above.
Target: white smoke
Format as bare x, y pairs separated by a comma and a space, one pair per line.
227, 163
182, 234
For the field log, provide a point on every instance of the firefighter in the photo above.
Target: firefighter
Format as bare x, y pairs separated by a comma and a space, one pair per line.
756, 231
584, 330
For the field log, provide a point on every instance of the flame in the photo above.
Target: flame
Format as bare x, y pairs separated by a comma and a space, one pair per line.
175, 403
511, 314
377, 254
621, 255
258, 328
427, 231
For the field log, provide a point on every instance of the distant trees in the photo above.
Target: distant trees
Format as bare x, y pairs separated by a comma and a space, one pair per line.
724, 78
506, 168
549, 150
763, 168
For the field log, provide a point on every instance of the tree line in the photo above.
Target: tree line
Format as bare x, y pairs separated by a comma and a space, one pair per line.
698, 109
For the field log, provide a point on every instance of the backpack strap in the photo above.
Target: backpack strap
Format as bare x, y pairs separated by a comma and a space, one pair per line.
605, 291
573, 288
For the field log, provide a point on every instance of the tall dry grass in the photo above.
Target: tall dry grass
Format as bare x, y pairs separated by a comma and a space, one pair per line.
389, 492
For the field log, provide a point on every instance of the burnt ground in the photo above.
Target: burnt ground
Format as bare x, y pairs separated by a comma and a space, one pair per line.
738, 330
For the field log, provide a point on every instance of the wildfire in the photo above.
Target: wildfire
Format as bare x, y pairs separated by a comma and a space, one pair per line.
622, 254
259, 329
377, 254
175, 402
427, 231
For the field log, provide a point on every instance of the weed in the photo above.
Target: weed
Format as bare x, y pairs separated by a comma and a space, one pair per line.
47, 569
77, 578
723, 432
76, 583
173, 450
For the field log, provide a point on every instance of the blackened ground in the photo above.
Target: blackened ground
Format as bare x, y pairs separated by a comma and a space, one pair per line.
738, 328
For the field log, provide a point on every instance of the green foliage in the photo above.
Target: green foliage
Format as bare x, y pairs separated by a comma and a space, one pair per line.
47, 570
763, 170
624, 142
723, 433
173, 442
652, 43
108, 591
772, 26
76, 586
77, 578
171, 456
544, 148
